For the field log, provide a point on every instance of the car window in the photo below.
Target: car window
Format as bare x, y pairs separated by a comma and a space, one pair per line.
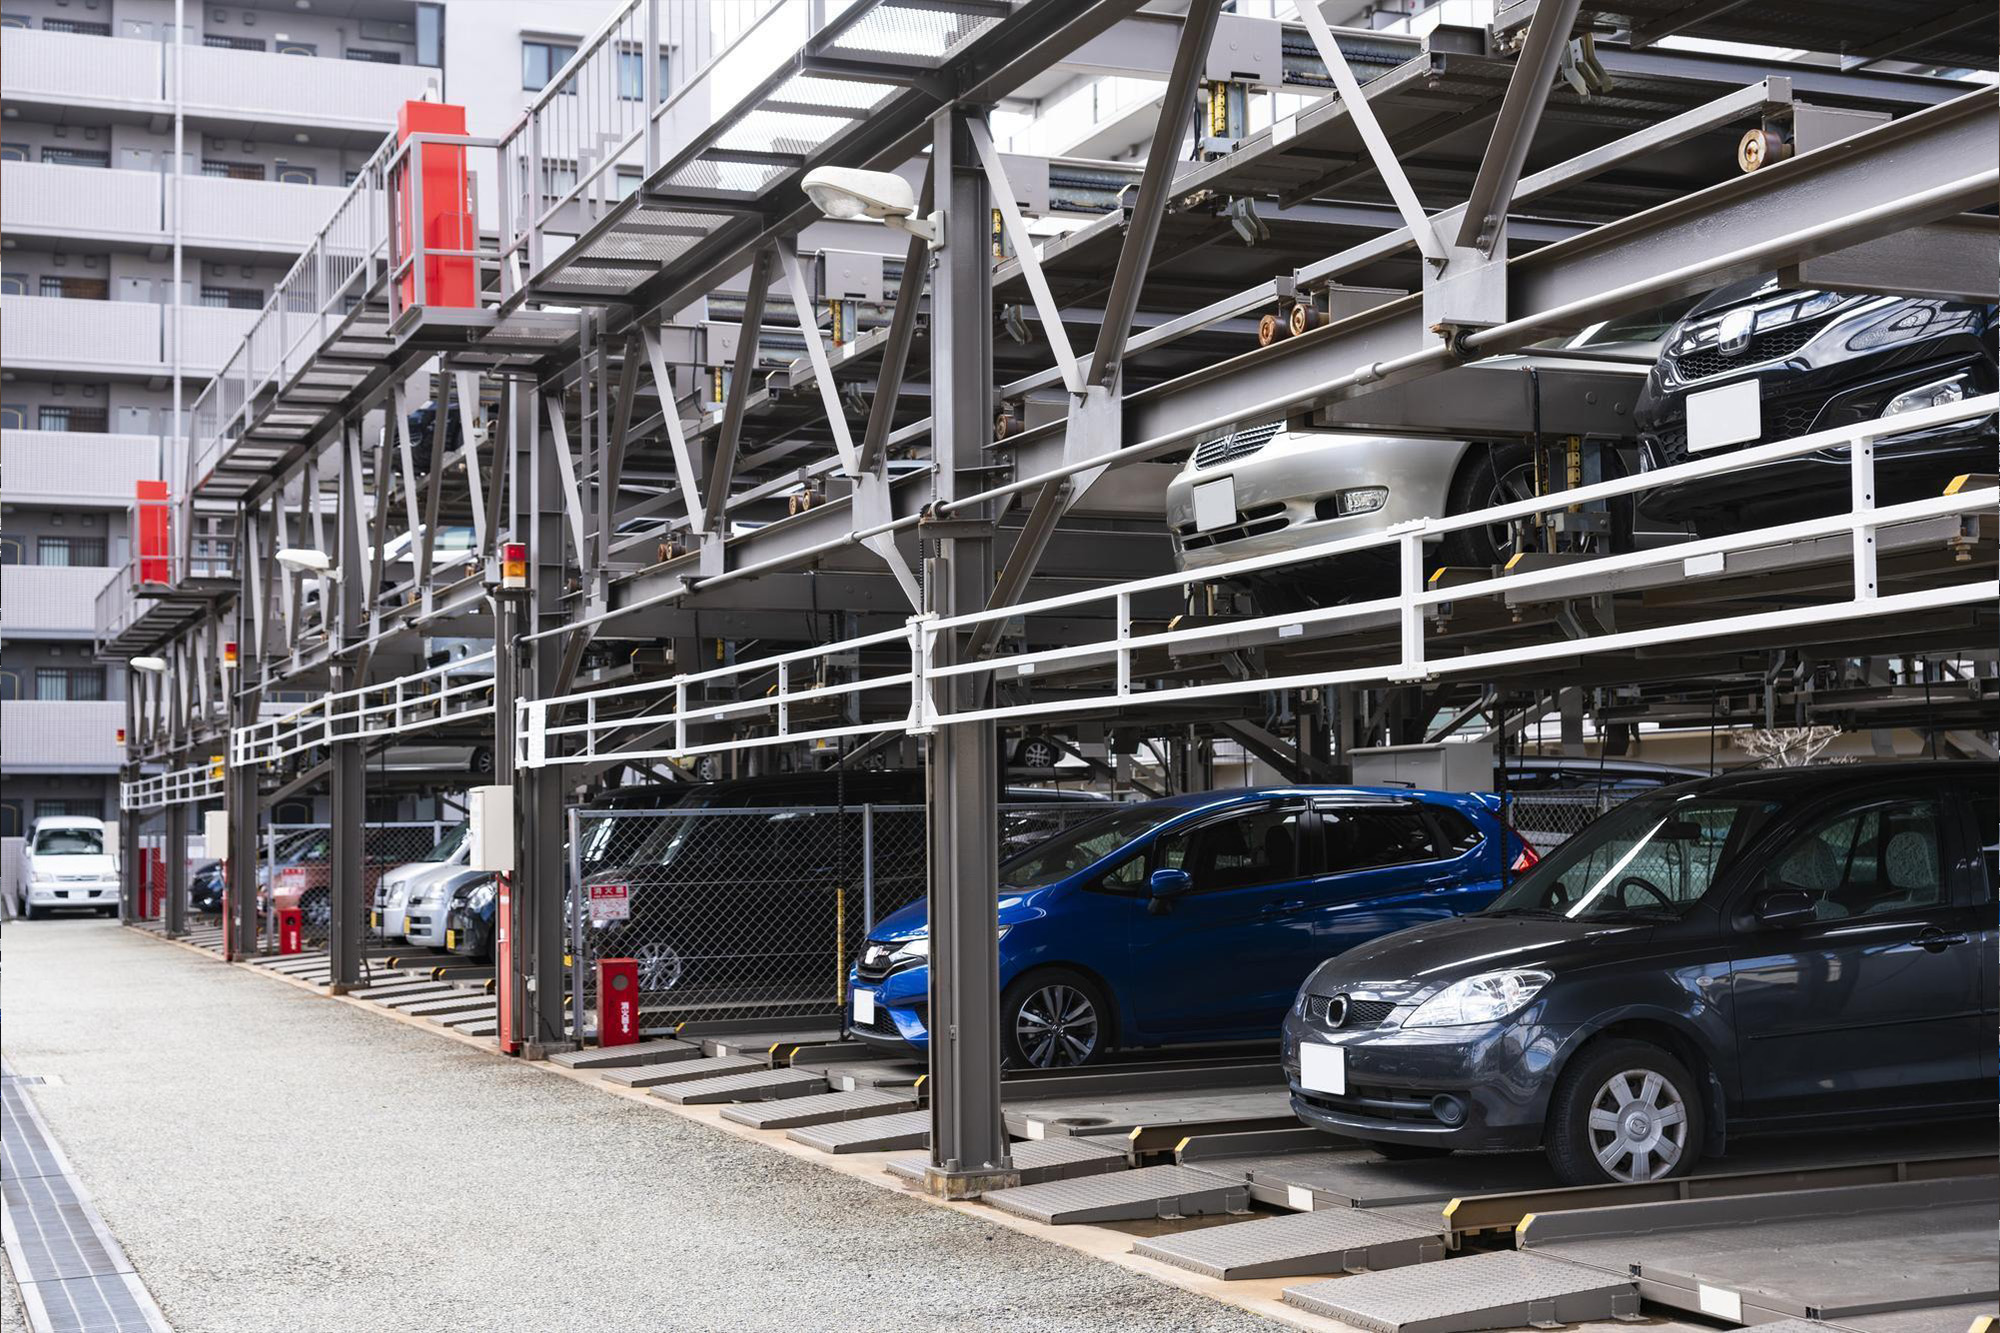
1064, 854
1876, 860
1460, 834
1656, 855
69, 842
1260, 846
1360, 838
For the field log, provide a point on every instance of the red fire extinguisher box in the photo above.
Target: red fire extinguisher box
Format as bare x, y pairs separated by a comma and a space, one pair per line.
617, 1001
446, 224
290, 929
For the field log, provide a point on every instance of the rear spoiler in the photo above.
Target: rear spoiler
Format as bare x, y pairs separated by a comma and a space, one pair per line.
1491, 800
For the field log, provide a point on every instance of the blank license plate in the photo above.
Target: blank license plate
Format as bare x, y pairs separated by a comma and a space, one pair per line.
1732, 414
1215, 504
1323, 1068
864, 1006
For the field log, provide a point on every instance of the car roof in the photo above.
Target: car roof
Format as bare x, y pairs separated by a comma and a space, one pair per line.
68, 821
1832, 777
1228, 796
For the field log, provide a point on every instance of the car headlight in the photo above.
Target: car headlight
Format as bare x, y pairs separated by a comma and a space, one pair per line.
1935, 394
1480, 999
479, 897
911, 950
398, 894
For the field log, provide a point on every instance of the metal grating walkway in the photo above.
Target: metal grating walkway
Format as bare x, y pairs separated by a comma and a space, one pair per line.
1332, 1240
71, 1273
1501, 1289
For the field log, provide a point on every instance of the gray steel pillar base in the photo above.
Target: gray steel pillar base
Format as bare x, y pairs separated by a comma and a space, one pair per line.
944, 1183
542, 1050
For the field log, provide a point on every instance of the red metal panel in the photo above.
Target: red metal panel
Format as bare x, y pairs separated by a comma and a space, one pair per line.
617, 1001
291, 923
449, 280
153, 528
503, 963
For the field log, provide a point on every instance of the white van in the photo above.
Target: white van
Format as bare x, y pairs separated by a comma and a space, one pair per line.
67, 861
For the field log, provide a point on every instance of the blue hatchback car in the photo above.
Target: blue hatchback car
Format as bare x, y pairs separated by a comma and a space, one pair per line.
1194, 918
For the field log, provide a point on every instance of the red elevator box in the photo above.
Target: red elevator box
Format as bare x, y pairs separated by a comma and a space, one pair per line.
446, 207
154, 514
290, 927
617, 1001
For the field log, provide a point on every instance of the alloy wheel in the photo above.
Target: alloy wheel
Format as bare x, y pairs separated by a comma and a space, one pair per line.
659, 966
1638, 1126
1056, 1027
1510, 539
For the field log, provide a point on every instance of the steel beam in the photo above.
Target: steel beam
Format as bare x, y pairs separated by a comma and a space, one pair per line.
347, 887
174, 915
1514, 127
969, 1143
722, 467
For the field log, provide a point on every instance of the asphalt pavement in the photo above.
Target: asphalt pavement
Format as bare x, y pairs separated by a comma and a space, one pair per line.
270, 1160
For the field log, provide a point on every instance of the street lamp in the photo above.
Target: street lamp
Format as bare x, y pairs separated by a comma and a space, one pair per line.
155, 665
880, 196
307, 560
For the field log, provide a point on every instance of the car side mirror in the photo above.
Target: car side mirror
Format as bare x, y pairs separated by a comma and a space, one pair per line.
1785, 907
1166, 885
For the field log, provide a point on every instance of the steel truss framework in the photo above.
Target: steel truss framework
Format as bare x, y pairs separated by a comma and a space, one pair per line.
782, 479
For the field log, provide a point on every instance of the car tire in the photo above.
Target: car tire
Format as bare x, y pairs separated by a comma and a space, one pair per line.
1410, 1152
1496, 474
1037, 752
1624, 1111
1061, 999
28, 910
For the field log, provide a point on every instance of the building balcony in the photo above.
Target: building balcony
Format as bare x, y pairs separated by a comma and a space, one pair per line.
59, 467
61, 737
48, 333
51, 601
136, 208
37, 199
212, 336
124, 73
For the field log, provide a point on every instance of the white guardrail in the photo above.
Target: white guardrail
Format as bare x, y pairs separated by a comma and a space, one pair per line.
415, 702
182, 786
920, 706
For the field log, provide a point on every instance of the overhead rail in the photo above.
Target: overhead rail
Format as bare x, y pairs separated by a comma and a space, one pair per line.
181, 786
1113, 672
422, 700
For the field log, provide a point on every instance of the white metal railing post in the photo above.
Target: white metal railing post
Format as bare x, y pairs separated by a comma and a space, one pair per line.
784, 698
590, 726
680, 715
650, 77
1122, 625
1410, 584
1861, 470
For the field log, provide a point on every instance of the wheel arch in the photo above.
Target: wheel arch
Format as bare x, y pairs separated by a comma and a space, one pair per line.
1114, 1004
1678, 1038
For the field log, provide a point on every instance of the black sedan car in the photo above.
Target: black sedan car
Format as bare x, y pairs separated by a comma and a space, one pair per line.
468, 922
1820, 360
205, 888
1761, 952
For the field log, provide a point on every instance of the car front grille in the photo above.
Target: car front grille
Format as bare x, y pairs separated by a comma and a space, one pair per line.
1252, 522
1411, 1106
1705, 362
881, 1025
1229, 448
1360, 1013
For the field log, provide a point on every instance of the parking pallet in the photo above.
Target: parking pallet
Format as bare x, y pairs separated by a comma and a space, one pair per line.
1333, 1240
663, 1051
820, 1109
1153, 1191
681, 1071
1038, 1163
885, 1133
750, 1086
1501, 1289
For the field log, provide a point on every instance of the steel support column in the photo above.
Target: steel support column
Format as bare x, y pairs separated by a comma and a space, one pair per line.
968, 1135
540, 881
240, 798
347, 888
173, 916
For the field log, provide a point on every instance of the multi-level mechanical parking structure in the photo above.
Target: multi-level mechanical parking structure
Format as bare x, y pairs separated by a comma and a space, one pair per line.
784, 480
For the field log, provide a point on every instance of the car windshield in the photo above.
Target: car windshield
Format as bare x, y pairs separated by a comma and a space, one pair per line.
1086, 844
69, 842
1654, 857
448, 845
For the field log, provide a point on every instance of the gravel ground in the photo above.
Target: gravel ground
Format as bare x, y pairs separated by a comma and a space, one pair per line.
271, 1160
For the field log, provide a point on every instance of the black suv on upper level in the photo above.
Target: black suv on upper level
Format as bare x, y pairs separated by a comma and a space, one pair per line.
1822, 360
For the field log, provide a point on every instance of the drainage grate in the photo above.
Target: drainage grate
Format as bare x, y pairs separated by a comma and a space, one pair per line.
71, 1274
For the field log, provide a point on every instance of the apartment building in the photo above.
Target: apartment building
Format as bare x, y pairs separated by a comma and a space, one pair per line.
277, 106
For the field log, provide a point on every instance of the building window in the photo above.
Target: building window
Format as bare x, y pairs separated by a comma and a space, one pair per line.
632, 75
228, 43
65, 416
13, 284
232, 298
10, 550
236, 171
69, 684
627, 183
430, 36
290, 174
10, 811
80, 27
13, 416
69, 807
351, 175
368, 57
540, 62
291, 48
15, 21
15, 152
59, 156
74, 551
75, 289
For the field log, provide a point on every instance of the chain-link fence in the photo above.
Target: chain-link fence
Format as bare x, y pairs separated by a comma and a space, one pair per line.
1547, 820
752, 913
297, 871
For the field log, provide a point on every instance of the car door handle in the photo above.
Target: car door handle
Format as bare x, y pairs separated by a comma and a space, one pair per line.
1937, 941
1289, 905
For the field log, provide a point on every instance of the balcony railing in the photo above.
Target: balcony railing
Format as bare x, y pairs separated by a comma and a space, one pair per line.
262, 213
212, 335
51, 600
64, 467
50, 333
67, 737
78, 201
251, 85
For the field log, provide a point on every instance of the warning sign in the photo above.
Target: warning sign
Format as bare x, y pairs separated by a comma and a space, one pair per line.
610, 902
